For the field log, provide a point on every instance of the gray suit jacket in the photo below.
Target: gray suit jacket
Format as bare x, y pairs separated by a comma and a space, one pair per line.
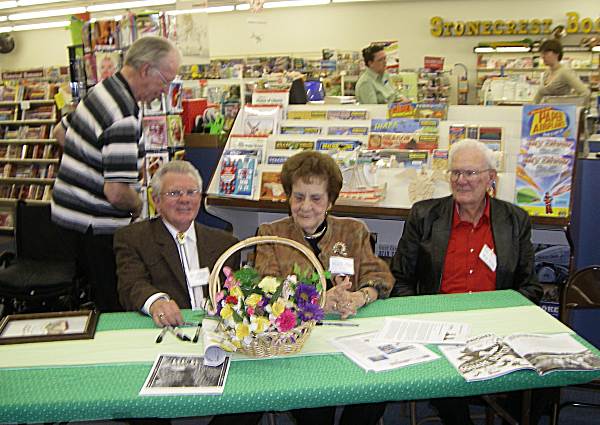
419, 260
148, 261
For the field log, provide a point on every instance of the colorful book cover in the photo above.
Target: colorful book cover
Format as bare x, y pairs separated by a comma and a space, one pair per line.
175, 131
347, 131
401, 141
155, 131
307, 115
401, 110
291, 129
237, 174
271, 188
456, 133
405, 158
293, 144
489, 133
355, 114
431, 110
405, 125
339, 145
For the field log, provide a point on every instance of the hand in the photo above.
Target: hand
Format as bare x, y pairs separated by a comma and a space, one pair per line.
340, 300
354, 301
166, 313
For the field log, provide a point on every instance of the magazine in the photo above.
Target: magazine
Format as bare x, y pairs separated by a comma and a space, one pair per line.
179, 374
423, 331
377, 356
489, 356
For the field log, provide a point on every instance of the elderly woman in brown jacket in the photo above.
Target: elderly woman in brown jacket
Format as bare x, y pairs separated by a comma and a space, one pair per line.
312, 182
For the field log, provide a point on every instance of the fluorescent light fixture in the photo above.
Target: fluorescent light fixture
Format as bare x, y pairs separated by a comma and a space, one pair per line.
484, 49
596, 49
294, 3
43, 25
351, 1
186, 11
36, 2
46, 13
114, 18
3, 19
220, 9
7, 4
128, 5
512, 49
5, 29
243, 6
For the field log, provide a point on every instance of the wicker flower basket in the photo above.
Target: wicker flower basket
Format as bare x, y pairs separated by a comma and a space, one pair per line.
271, 344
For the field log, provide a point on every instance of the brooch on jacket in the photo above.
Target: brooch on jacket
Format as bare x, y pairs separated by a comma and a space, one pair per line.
340, 248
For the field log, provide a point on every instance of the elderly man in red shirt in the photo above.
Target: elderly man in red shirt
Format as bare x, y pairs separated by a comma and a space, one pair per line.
466, 242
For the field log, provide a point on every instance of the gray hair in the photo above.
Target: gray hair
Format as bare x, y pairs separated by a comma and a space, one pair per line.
179, 167
151, 50
472, 144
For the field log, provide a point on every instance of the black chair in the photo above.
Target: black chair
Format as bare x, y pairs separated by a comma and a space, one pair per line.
42, 275
580, 310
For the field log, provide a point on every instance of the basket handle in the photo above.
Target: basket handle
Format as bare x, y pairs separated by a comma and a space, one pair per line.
214, 285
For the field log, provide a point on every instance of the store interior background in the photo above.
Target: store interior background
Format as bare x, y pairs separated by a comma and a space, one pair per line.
304, 31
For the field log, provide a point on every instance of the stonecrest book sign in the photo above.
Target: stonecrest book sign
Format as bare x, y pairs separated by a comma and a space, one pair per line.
495, 27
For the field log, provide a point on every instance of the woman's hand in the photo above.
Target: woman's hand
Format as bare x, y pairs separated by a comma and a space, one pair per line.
341, 300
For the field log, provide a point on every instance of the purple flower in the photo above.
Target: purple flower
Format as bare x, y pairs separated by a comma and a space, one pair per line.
304, 294
310, 311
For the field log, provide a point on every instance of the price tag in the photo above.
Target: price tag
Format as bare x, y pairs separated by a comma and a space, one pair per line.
25, 105
341, 265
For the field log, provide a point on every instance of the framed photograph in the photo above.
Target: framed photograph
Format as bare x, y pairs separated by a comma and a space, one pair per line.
41, 327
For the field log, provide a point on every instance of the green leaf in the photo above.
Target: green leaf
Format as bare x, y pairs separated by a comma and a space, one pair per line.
236, 317
277, 293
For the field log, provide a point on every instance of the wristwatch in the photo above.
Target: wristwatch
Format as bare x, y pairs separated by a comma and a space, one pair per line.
365, 292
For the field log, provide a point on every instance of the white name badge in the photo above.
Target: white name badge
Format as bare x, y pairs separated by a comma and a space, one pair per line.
198, 277
341, 265
488, 256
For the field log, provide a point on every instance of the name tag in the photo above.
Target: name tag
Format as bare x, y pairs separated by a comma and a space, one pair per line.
488, 256
341, 265
199, 277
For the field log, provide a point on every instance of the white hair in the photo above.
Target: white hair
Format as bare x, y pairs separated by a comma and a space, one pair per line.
180, 167
475, 145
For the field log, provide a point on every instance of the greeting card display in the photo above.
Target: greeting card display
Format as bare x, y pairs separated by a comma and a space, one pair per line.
174, 96
155, 132
237, 174
247, 142
271, 188
154, 160
261, 120
107, 63
175, 131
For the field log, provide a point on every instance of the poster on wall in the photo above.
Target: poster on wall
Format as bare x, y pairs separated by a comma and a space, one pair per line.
192, 36
546, 159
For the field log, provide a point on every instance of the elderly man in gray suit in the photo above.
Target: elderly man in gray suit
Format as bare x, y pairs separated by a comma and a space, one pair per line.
163, 263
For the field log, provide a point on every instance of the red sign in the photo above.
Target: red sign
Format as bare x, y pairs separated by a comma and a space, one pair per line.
434, 63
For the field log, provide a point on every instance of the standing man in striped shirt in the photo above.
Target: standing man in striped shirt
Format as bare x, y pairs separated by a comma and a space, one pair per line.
97, 188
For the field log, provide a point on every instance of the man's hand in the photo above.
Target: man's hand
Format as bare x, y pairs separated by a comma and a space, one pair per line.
166, 313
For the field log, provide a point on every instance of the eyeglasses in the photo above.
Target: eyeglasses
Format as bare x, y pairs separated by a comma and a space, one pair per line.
192, 193
163, 79
467, 174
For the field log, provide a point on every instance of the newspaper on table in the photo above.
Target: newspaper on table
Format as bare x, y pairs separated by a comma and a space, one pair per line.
423, 331
182, 374
377, 356
489, 356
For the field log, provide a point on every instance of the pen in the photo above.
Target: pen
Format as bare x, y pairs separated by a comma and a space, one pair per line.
197, 334
160, 336
179, 335
336, 324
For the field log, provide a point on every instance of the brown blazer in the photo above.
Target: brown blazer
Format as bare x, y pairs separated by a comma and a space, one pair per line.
148, 261
369, 270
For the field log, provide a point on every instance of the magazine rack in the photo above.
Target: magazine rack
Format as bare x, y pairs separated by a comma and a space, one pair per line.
271, 344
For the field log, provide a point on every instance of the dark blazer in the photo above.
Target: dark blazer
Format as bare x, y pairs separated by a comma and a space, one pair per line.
148, 261
419, 260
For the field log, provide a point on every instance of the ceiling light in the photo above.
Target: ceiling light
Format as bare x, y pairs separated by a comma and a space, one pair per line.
219, 9
5, 29
7, 4
128, 5
596, 49
480, 49
43, 25
513, 49
243, 6
36, 2
185, 11
293, 3
46, 13
3, 19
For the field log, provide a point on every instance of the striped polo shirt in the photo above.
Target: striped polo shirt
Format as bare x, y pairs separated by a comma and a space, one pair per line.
102, 144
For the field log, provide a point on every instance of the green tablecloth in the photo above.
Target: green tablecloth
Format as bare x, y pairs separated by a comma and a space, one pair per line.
110, 391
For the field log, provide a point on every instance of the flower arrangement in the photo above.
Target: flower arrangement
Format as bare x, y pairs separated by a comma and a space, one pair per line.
280, 311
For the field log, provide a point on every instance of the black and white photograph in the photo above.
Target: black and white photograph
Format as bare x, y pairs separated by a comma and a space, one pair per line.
177, 374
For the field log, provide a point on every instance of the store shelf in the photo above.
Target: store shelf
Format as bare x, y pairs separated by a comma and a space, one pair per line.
5, 229
26, 180
27, 122
29, 201
31, 102
30, 160
28, 141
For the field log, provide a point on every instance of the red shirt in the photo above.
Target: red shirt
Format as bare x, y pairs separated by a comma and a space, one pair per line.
463, 270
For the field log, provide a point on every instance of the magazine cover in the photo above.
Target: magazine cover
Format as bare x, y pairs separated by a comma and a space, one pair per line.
174, 99
545, 165
175, 131
402, 141
290, 129
356, 114
271, 188
155, 131
237, 174
104, 34
295, 144
401, 110
307, 115
347, 131
256, 143
338, 145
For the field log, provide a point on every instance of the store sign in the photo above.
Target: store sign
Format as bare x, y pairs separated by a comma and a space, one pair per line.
574, 25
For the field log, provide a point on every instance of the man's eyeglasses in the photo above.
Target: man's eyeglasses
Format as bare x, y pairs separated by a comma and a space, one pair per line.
467, 174
163, 79
174, 194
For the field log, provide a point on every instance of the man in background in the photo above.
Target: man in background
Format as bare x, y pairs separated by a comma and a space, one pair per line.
96, 190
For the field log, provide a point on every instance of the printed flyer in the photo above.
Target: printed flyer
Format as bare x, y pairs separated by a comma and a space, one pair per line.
546, 160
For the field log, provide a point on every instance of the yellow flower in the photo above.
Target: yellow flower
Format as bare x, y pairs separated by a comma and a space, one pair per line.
253, 299
261, 324
269, 284
278, 307
242, 330
226, 311
236, 292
